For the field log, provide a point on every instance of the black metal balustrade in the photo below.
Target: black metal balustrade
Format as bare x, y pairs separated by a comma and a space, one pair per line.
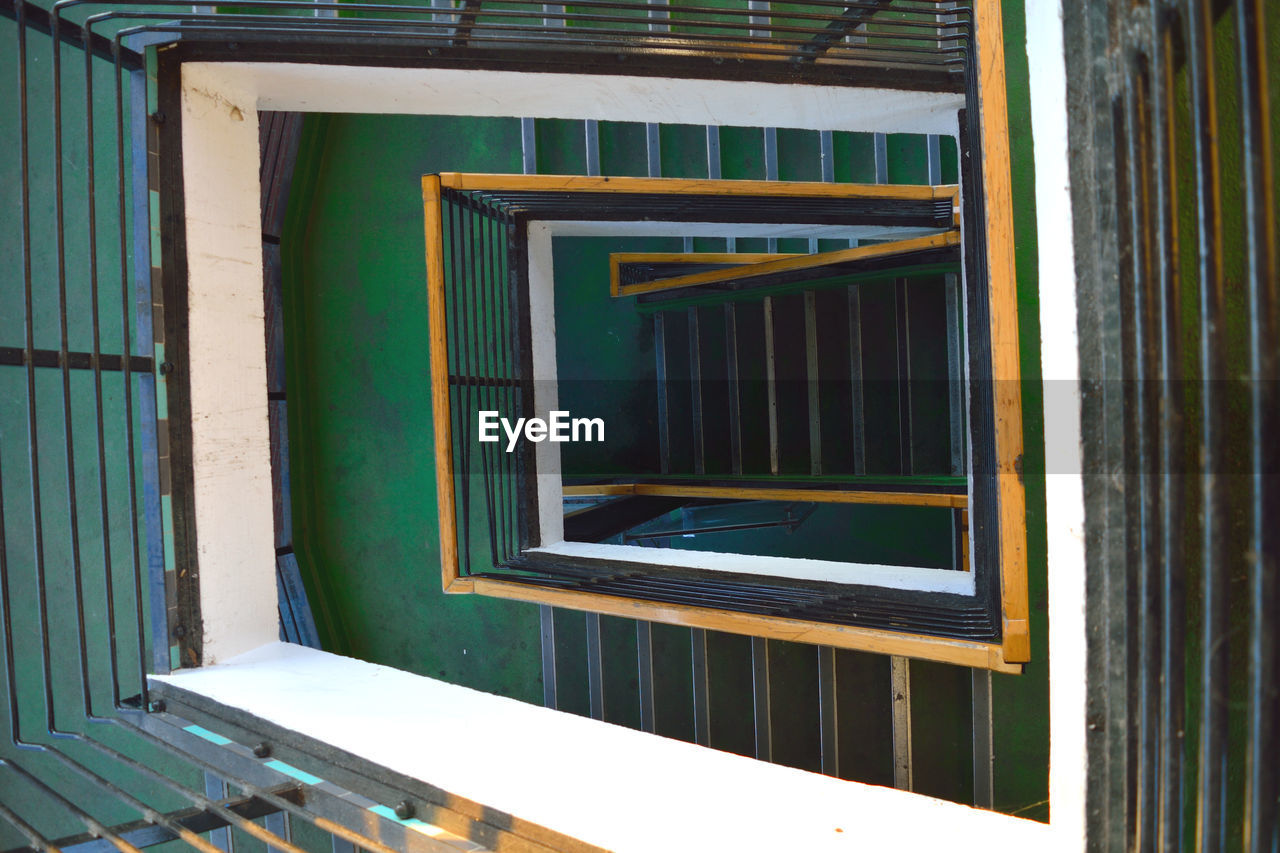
1173, 177
482, 227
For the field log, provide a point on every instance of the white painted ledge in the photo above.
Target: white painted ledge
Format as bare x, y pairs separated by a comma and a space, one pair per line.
796, 568
603, 784
441, 91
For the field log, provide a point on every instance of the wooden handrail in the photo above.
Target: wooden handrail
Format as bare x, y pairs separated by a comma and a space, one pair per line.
761, 265
766, 493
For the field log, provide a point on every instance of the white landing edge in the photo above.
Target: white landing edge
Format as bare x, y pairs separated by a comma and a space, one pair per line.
603, 784
798, 568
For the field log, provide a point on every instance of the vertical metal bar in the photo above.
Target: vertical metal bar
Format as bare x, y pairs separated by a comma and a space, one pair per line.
469, 325
660, 371
955, 373
828, 722
554, 10
1170, 419
342, 845
595, 666
827, 164
695, 389
903, 328
735, 388
761, 713
479, 352
812, 375
771, 385
499, 282
859, 436
68, 447
507, 348
771, 171
140, 205
449, 250
279, 824
756, 20
933, 151
1262, 785
591, 132
138, 304
525, 463
714, 171
216, 789
33, 445
653, 150
947, 40
701, 687
529, 145
1120, 592
645, 682
771, 154
983, 741
900, 692
880, 148
658, 16
24, 236
1211, 793
827, 154
6, 605
713, 153
956, 563
486, 306
1138, 373
547, 634
104, 512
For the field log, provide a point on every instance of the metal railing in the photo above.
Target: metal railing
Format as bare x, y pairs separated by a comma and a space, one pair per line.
1174, 190
479, 270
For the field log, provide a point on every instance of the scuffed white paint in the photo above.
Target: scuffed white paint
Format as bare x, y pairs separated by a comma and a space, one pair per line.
231, 452
542, 323
541, 279
1064, 488
894, 577
607, 785
444, 91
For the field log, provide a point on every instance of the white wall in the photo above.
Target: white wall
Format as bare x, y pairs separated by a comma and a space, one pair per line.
1064, 493
231, 448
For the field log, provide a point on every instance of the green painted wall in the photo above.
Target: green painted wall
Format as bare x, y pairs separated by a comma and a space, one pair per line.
359, 404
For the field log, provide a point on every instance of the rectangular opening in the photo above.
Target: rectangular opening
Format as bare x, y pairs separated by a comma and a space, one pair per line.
822, 334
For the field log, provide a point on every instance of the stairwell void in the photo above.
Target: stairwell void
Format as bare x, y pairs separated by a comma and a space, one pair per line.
787, 458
